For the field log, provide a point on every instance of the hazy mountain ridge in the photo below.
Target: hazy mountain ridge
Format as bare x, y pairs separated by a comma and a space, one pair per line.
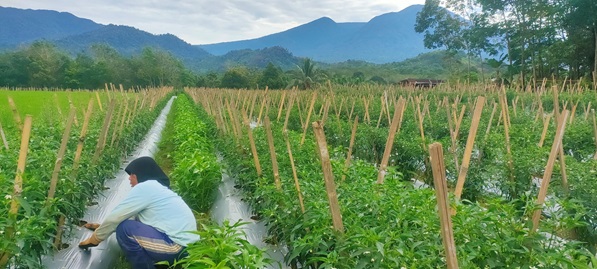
386, 38
129, 41
26, 25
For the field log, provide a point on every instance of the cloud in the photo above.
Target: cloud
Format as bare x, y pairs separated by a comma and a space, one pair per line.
209, 21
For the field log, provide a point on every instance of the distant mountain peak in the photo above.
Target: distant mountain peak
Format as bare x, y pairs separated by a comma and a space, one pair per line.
389, 37
26, 25
323, 20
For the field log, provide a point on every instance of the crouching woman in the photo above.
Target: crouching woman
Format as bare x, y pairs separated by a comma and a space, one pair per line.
152, 223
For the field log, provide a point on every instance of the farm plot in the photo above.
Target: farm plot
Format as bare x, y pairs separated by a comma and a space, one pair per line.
497, 143
54, 158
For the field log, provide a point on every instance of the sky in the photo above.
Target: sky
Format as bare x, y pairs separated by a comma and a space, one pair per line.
213, 21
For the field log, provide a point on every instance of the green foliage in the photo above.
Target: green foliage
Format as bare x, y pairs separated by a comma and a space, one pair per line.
273, 77
236, 78
395, 225
307, 75
158, 68
529, 33
223, 247
42, 65
35, 223
196, 172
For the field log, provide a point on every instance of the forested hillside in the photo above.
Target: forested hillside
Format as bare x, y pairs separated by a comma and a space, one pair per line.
537, 39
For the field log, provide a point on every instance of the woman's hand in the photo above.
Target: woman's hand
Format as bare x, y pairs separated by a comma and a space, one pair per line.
92, 241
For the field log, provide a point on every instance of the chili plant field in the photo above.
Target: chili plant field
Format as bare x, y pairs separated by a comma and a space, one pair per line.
344, 179
57, 150
196, 175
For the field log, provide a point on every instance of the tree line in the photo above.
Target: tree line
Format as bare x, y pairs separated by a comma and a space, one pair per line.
43, 65
530, 39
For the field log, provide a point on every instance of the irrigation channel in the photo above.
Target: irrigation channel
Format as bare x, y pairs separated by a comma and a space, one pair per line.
228, 205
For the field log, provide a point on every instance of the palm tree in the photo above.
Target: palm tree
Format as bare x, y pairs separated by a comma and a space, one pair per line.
307, 75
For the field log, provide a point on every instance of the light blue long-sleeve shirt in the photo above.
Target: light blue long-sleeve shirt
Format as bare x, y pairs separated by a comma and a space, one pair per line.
157, 206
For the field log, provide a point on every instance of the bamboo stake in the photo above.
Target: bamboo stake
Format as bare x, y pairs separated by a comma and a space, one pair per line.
3, 137
350, 146
351, 110
505, 110
328, 176
236, 120
490, 120
469, 146
573, 112
104, 131
587, 110
99, 101
340, 109
281, 106
314, 96
325, 111
82, 137
381, 112
232, 121
17, 189
117, 116
320, 113
118, 129
289, 110
366, 104
549, 168
252, 142
15, 113
272, 152
300, 112
263, 104
60, 156
252, 106
504, 114
386, 106
561, 149
296, 182
540, 112
544, 133
390, 140
459, 122
421, 130
426, 111
443, 203
595, 132
452, 138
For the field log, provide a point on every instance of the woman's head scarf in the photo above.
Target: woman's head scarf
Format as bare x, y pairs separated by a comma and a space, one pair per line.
145, 168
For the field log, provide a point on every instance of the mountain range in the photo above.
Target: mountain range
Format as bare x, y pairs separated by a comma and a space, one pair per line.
386, 38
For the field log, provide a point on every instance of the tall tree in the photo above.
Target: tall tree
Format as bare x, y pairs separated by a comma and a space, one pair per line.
46, 65
581, 25
456, 25
273, 77
236, 78
307, 75
158, 68
119, 70
13, 69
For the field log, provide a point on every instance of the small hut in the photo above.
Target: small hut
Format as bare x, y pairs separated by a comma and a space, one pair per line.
420, 83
